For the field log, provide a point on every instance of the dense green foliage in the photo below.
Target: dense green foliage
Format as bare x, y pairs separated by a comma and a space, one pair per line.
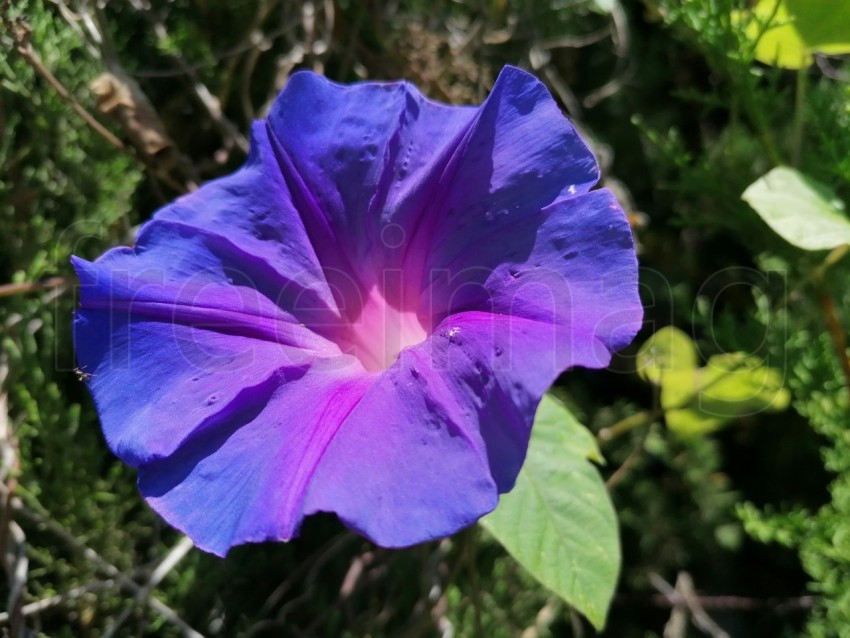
723, 481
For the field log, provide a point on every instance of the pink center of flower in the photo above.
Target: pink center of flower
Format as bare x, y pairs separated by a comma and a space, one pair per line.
381, 331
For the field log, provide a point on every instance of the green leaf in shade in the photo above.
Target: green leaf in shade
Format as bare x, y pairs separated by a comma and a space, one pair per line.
602, 6
796, 29
669, 349
801, 210
558, 521
729, 387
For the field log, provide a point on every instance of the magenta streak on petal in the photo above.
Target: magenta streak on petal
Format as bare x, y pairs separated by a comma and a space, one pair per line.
336, 409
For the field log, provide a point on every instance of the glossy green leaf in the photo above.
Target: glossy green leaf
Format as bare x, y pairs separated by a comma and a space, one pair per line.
558, 521
799, 209
788, 32
729, 387
669, 349
824, 25
778, 42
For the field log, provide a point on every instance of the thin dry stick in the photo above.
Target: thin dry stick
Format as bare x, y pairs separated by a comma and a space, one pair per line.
106, 567
8, 290
44, 604
177, 553
629, 463
12, 539
723, 602
625, 62
685, 596
17, 566
21, 33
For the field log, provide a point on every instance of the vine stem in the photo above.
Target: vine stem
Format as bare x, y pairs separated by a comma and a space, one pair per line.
836, 333
646, 417
799, 118
829, 311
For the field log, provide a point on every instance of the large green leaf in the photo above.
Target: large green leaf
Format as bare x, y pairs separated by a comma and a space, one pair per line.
558, 522
778, 42
801, 210
824, 25
788, 32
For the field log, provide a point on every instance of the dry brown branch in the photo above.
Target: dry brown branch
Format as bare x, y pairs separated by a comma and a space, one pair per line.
8, 290
108, 569
177, 553
44, 604
684, 600
12, 539
21, 34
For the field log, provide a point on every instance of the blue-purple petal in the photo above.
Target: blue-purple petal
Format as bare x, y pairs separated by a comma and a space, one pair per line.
218, 346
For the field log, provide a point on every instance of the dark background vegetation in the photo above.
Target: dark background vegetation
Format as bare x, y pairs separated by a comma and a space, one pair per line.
682, 119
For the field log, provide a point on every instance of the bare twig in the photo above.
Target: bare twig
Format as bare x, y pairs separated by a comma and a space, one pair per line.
308, 568
722, 602
685, 597
544, 619
8, 290
625, 62
21, 33
44, 604
575, 41
12, 539
177, 553
103, 565
627, 465
359, 564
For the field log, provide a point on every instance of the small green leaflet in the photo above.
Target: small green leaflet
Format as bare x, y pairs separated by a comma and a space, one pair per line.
801, 210
699, 400
729, 387
667, 350
558, 522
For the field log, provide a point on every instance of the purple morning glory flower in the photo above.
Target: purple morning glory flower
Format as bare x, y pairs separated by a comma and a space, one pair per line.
361, 320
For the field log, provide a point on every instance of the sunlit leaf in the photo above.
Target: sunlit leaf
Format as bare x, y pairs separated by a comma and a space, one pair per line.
667, 350
778, 42
729, 387
801, 210
558, 522
824, 25
788, 32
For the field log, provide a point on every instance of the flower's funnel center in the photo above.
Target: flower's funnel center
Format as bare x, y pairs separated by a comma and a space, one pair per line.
382, 330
